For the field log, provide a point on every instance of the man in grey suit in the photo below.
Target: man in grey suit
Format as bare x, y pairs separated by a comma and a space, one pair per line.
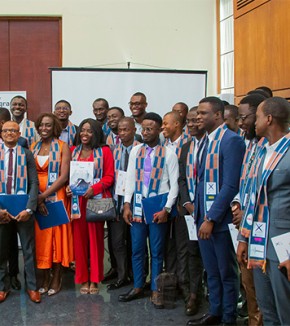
17, 169
270, 200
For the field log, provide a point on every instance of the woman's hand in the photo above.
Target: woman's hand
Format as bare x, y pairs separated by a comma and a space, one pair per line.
68, 191
89, 193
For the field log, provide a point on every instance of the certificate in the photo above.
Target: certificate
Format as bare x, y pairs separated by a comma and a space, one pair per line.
81, 177
234, 235
191, 227
281, 245
120, 183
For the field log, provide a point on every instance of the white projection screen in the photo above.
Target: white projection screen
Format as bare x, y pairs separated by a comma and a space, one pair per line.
163, 88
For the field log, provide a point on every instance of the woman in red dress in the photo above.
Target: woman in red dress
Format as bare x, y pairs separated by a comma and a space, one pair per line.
89, 236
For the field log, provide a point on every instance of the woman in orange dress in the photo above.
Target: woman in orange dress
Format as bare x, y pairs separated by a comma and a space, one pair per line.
89, 236
54, 246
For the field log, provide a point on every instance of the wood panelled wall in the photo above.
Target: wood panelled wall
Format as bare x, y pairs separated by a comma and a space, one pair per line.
262, 47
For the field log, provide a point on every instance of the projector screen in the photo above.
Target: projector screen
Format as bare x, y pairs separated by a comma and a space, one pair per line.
163, 88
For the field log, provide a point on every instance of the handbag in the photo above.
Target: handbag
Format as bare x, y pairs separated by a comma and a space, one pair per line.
101, 210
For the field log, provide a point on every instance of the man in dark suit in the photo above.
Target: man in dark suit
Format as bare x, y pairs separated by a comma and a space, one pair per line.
218, 173
186, 202
271, 214
18, 169
13, 246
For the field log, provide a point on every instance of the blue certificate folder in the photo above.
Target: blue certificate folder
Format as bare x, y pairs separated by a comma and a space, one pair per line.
13, 203
57, 215
152, 205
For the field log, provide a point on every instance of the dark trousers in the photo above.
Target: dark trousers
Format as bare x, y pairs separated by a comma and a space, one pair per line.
13, 252
195, 268
26, 234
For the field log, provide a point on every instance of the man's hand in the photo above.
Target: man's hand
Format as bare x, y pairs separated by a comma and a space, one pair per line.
190, 208
160, 217
237, 214
286, 264
23, 216
5, 217
127, 214
242, 253
205, 230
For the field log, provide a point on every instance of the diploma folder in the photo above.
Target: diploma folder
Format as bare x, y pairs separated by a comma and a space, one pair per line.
152, 205
14, 203
57, 215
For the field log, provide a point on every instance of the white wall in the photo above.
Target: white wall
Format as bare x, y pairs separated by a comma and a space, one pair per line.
170, 34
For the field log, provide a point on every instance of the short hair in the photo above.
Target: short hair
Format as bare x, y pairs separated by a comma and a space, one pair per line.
234, 110
259, 92
279, 109
21, 97
154, 117
253, 100
266, 89
103, 100
5, 114
130, 120
56, 130
176, 116
215, 102
140, 94
193, 109
98, 134
118, 109
225, 103
63, 101
184, 105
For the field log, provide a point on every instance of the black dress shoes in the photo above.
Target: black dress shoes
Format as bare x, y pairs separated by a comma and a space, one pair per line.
133, 294
191, 307
15, 283
205, 320
118, 284
112, 273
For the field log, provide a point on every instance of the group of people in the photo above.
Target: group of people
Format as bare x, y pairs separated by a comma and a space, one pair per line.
218, 163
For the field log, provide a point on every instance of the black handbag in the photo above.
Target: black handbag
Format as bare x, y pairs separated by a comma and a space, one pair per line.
101, 210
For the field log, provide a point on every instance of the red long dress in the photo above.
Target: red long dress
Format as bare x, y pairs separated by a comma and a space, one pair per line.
89, 237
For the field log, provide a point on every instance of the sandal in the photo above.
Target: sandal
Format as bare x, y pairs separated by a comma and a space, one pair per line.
56, 281
94, 288
85, 288
46, 282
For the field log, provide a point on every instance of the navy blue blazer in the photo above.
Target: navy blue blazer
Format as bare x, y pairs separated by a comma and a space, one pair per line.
232, 150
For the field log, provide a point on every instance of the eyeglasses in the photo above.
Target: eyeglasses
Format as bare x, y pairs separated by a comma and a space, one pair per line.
135, 103
12, 131
244, 117
65, 108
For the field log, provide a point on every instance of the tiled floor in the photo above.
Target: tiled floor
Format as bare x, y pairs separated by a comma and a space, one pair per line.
69, 308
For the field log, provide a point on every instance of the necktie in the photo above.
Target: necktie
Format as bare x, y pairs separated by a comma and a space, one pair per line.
147, 166
10, 172
126, 160
117, 139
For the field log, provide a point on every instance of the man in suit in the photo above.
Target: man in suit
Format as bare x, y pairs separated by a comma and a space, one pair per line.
182, 109
114, 115
63, 111
186, 184
231, 118
152, 170
176, 242
13, 246
119, 231
218, 172
268, 213
100, 110
18, 175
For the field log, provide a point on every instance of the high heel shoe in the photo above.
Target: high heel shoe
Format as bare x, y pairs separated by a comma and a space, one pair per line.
54, 291
56, 282
46, 282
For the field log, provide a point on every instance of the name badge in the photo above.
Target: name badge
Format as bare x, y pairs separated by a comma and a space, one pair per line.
211, 188
138, 198
52, 177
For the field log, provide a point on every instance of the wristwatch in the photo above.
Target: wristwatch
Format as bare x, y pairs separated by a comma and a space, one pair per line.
168, 209
29, 211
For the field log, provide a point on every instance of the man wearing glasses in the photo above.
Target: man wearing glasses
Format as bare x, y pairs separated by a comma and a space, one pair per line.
138, 105
62, 110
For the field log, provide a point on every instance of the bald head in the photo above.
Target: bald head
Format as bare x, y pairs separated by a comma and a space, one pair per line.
10, 133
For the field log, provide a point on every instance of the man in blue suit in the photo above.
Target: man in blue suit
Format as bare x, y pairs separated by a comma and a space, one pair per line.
218, 167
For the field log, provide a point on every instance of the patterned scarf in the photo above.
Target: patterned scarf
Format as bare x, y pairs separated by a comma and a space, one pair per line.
211, 186
252, 150
255, 225
106, 128
241, 133
21, 171
72, 130
183, 139
98, 171
191, 170
30, 132
54, 159
155, 177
